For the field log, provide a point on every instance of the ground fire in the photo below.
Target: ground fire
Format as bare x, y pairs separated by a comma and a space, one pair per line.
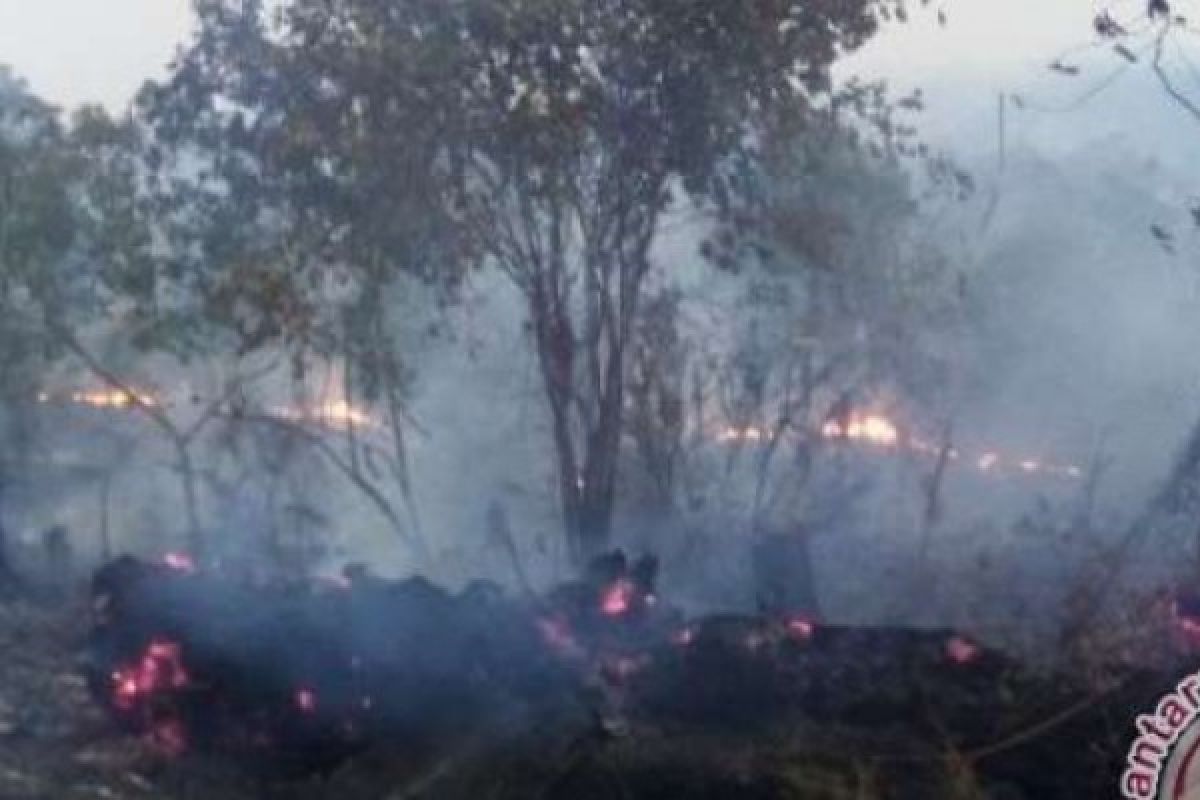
880, 431
866, 428
310, 674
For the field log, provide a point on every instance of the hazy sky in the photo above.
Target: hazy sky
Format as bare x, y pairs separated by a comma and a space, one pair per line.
100, 51
75, 51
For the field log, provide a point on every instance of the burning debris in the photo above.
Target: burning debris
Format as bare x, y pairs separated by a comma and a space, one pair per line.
188, 656
314, 673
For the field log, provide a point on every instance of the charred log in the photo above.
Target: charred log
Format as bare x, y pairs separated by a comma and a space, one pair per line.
313, 674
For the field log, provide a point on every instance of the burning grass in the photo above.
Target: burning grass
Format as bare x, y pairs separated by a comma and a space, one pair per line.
600, 684
211, 685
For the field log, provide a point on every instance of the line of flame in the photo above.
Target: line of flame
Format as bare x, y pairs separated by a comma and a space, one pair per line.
879, 431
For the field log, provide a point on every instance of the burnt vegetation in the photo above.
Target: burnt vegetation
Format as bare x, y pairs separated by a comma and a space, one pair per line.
573, 399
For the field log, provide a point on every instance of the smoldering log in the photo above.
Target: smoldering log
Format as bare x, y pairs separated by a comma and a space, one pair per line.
315, 672
312, 669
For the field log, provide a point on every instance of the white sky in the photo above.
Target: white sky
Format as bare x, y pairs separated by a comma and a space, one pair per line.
96, 51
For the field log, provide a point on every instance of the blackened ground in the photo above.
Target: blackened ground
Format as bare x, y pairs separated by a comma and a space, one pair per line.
55, 744
848, 736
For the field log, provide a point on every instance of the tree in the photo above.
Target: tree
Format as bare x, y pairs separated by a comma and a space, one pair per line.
588, 124
547, 139
836, 291
85, 276
299, 198
36, 230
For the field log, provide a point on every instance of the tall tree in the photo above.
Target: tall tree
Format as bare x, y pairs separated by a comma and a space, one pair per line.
36, 232
587, 125
548, 139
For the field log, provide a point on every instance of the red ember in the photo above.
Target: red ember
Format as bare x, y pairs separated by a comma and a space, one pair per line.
159, 669
962, 651
180, 561
306, 700
684, 637
617, 598
801, 628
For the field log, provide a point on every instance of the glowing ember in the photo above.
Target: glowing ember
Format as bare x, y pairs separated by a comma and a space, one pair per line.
801, 628
306, 700
159, 669
617, 599
180, 562
557, 634
1189, 626
683, 637
962, 651
747, 434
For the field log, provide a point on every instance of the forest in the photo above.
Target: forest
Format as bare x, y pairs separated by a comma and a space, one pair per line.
570, 399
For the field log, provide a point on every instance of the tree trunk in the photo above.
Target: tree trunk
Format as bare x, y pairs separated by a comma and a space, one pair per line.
9, 581
197, 546
106, 549
587, 492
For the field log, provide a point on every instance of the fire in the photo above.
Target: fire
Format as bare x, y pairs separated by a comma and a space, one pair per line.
116, 399
159, 669
306, 700
180, 562
112, 399
335, 414
870, 428
731, 434
339, 413
801, 628
617, 598
683, 637
878, 430
962, 651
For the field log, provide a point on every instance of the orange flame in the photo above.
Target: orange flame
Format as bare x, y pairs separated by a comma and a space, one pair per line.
878, 430
870, 428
